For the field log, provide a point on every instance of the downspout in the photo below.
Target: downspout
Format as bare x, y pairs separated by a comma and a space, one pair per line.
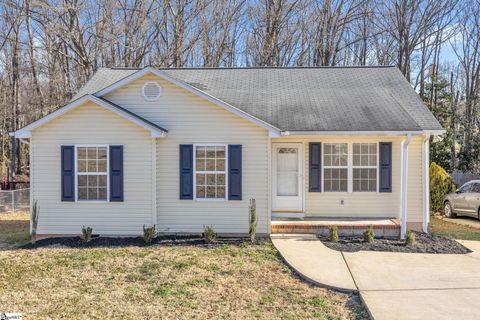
426, 182
404, 186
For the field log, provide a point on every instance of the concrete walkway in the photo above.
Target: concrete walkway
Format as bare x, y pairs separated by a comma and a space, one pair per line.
394, 285
297, 250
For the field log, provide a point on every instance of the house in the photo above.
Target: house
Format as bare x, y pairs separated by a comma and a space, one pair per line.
185, 148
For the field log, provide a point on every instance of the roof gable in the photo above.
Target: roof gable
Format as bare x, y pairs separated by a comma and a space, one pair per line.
274, 131
155, 130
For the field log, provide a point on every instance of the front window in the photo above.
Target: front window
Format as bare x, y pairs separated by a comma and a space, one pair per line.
92, 177
364, 167
335, 161
210, 171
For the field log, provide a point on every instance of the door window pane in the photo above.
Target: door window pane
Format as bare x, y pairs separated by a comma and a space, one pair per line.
287, 172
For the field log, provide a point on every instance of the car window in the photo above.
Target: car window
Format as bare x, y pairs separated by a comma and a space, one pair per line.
476, 188
465, 188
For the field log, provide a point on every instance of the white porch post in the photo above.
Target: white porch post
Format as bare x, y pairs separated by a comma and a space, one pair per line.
426, 182
404, 185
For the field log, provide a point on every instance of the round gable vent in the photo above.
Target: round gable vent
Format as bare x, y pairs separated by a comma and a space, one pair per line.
151, 91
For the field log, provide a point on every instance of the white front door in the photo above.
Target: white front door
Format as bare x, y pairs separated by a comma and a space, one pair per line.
287, 177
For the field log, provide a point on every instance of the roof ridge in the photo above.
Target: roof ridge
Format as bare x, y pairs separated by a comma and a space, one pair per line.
254, 67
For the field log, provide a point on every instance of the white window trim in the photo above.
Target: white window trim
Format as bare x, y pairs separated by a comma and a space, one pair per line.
350, 166
76, 172
160, 91
195, 171
367, 167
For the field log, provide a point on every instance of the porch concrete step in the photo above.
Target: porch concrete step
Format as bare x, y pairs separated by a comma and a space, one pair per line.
387, 228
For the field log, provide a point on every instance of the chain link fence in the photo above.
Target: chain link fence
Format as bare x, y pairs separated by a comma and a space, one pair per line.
12, 201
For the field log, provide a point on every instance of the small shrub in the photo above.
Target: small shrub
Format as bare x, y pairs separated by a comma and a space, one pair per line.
86, 233
333, 234
148, 234
369, 235
410, 238
440, 184
209, 234
34, 218
252, 230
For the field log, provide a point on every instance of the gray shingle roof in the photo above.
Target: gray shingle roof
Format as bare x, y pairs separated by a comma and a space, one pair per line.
306, 99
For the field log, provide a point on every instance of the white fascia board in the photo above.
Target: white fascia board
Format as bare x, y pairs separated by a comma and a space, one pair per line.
350, 133
26, 131
272, 129
435, 132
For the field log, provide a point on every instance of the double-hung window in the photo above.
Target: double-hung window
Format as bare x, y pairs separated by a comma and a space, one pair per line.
92, 173
335, 159
365, 167
210, 171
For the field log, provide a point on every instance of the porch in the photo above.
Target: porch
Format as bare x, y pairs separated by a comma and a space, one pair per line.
355, 180
383, 227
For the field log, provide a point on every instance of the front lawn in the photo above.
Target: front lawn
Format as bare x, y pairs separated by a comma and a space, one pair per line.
175, 282
440, 227
14, 229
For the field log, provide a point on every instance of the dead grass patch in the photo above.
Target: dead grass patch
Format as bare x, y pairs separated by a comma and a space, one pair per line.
14, 229
441, 227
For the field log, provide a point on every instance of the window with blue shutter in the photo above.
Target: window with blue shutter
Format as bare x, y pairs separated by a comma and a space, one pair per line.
314, 170
68, 173
186, 171
385, 166
234, 172
116, 173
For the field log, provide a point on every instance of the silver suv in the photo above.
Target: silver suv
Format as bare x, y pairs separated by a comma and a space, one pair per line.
465, 201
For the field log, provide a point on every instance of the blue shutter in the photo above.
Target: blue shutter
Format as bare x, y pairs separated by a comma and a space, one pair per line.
314, 170
234, 172
116, 173
385, 166
68, 173
186, 171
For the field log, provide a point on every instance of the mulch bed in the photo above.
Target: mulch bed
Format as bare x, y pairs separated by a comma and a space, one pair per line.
102, 242
426, 243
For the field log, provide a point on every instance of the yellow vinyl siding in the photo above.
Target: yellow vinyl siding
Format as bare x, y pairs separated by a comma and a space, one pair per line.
415, 181
194, 120
91, 124
366, 204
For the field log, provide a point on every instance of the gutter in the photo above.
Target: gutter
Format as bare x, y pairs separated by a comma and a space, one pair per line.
372, 133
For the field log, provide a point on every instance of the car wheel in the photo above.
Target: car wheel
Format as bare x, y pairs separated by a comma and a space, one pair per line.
447, 209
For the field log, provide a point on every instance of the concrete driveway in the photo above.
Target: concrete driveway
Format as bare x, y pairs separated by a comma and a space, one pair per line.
397, 285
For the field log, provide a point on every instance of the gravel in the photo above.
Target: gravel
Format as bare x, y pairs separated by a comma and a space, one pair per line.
426, 243
101, 242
